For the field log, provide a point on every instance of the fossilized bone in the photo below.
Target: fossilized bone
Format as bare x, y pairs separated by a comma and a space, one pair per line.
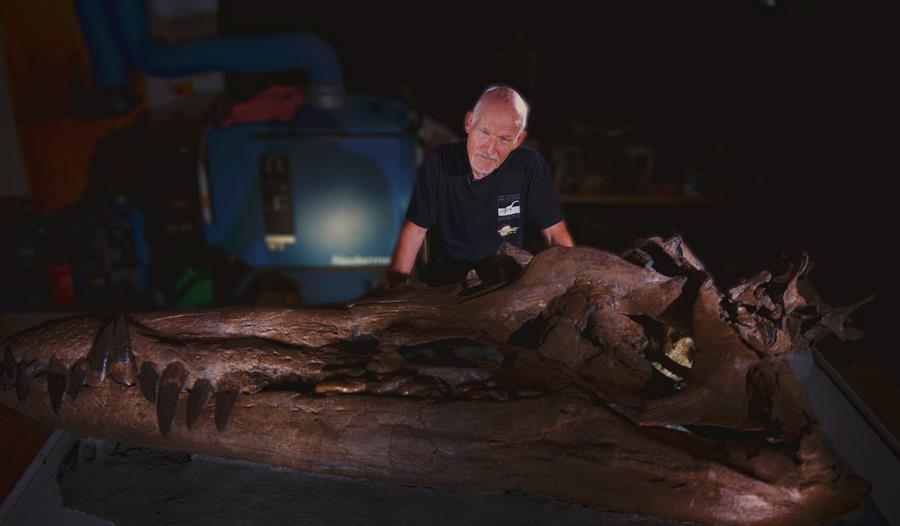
629, 383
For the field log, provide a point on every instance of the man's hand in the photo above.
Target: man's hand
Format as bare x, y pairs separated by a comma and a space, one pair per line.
388, 280
558, 235
393, 276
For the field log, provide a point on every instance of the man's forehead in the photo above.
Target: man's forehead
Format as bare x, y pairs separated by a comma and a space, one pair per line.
498, 115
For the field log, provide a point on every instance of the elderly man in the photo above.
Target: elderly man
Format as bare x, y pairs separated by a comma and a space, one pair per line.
476, 194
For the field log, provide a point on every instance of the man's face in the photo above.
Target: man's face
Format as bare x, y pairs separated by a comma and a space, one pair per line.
493, 133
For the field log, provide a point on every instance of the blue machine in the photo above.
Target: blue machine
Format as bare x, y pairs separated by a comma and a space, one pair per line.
321, 199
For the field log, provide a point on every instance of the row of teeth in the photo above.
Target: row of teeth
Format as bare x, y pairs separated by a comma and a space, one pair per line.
112, 355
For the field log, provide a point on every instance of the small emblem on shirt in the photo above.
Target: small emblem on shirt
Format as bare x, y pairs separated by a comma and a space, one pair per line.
507, 230
508, 206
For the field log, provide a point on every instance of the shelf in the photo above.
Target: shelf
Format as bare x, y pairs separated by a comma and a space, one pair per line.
641, 199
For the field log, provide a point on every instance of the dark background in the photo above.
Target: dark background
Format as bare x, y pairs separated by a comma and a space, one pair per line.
783, 105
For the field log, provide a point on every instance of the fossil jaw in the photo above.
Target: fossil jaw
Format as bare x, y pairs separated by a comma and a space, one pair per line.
552, 383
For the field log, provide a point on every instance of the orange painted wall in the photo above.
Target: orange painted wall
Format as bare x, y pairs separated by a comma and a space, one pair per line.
46, 59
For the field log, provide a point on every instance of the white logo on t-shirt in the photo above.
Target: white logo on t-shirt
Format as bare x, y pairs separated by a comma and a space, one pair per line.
509, 210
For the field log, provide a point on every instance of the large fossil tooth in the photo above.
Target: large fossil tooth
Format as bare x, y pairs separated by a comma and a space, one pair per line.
98, 357
9, 374
122, 367
422, 387
77, 377
149, 381
390, 384
56, 382
197, 400
27, 372
342, 385
225, 400
170, 385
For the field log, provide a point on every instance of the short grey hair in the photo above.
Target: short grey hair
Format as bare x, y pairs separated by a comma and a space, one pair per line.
507, 95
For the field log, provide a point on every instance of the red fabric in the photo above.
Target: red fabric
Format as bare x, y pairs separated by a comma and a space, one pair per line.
276, 103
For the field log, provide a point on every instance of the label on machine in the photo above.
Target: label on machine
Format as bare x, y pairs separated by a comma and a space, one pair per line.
277, 200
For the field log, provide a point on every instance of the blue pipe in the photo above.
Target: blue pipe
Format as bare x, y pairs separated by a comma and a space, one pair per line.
110, 69
114, 27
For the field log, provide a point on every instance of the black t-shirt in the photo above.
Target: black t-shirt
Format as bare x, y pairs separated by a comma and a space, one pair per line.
468, 218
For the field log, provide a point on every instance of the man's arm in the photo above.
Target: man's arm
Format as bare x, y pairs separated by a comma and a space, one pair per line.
558, 235
411, 237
